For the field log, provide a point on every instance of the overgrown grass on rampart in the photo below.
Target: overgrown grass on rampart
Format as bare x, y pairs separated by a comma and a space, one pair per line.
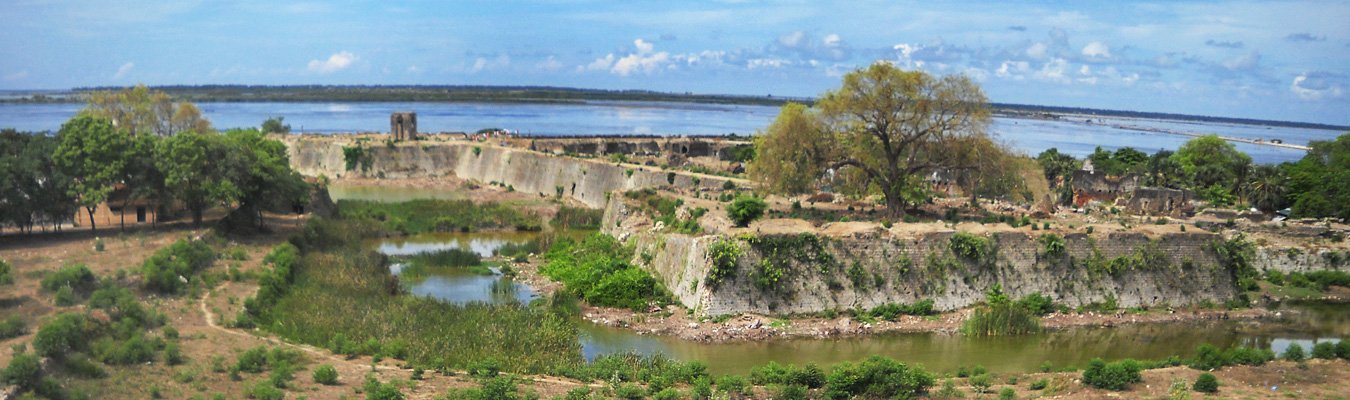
426, 215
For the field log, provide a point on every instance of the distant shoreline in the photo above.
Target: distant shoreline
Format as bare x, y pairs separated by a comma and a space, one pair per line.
561, 95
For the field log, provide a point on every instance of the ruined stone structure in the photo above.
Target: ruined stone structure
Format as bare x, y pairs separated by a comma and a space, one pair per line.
1160, 201
1088, 187
403, 125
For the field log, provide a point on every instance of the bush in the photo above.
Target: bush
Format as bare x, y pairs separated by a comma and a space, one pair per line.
733, 385
6, 273
1039, 384
1037, 303
1343, 348
24, 370
265, 391
877, 377
981, 383
1293, 353
1324, 350
62, 335
1114, 376
723, 253
597, 270
1007, 393
12, 326
1051, 244
1206, 383
76, 277
1001, 318
746, 209
167, 270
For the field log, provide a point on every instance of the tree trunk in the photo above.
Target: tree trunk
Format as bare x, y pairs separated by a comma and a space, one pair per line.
122, 216
197, 216
895, 205
92, 225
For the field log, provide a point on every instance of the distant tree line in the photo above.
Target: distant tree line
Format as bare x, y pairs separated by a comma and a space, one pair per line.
1313, 187
155, 148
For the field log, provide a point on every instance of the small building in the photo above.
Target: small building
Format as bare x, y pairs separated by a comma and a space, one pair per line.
1160, 202
403, 125
121, 206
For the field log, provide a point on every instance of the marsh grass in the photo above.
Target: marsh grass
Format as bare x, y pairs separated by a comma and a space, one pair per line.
342, 290
427, 215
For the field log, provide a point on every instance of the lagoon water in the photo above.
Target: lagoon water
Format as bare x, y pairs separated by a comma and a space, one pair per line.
658, 118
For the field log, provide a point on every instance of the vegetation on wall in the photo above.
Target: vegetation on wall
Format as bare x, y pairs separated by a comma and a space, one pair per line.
724, 255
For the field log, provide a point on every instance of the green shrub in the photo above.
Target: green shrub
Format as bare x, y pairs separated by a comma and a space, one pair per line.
61, 335
728, 185
167, 270
1039, 384
1343, 348
877, 377
12, 326
723, 253
733, 384
666, 394
790, 392
264, 390
1324, 350
65, 297
1037, 303
76, 277
1004, 318
1007, 393
253, 360
1114, 376
6, 273
746, 209
24, 371
173, 355
1206, 383
981, 383
597, 270
1293, 353
1051, 244
970, 247
133, 350
388, 391
808, 375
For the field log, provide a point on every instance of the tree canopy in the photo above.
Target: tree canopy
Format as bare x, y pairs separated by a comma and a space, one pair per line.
1317, 183
94, 155
881, 131
140, 110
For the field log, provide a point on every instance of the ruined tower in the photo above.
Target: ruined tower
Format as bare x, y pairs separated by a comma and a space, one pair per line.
403, 125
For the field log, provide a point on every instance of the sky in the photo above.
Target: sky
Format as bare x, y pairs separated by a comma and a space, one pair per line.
1280, 60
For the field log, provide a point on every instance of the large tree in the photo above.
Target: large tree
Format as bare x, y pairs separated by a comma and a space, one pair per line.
266, 181
94, 154
1317, 183
200, 169
886, 127
789, 154
33, 191
142, 111
1215, 168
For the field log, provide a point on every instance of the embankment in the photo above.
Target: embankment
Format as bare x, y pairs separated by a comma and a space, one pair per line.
586, 180
810, 273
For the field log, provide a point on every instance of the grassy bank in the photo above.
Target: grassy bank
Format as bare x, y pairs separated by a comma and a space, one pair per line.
427, 215
338, 296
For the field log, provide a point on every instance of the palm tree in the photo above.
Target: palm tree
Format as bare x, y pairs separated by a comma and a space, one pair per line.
1265, 187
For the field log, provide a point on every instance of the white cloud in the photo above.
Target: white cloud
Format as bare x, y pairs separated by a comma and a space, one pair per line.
17, 75
1097, 50
549, 64
123, 70
414, 69
1054, 71
1244, 62
1314, 86
1037, 50
767, 63
832, 40
643, 47
600, 64
793, 40
481, 63
643, 63
1013, 69
334, 63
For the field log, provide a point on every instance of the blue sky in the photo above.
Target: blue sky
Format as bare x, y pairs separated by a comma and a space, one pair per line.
1260, 59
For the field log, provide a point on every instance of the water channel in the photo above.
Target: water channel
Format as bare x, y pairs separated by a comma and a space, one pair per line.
1303, 324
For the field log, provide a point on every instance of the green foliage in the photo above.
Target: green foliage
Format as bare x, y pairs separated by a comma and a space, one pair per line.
1213, 166
1209, 357
1037, 303
597, 270
64, 334
664, 210
1039, 384
577, 218
94, 154
1293, 353
734, 385
422, 264
6, 273
12, 326
1316, 186
1206, 383
981, 383
778, 252
1114, 376
355, 156
1052, 245
745, 209
877, 377
276, 125
24, 371
77, 277
427, 215
972, 248
723, 253
168, 270
999, 316
1324, 350
893, 311
33, 187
